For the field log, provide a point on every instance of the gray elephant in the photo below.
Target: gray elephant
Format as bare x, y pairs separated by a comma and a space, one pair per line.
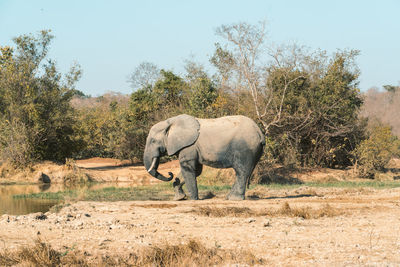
228, 142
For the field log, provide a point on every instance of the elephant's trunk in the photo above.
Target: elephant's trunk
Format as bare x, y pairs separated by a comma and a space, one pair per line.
151, 167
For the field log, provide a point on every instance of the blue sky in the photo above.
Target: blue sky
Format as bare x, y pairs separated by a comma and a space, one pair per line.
110, 38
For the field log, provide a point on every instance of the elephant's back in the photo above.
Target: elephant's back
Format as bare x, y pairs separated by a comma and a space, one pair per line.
237, 126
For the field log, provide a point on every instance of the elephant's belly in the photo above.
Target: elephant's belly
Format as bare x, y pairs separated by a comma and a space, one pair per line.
220, 160
216, 164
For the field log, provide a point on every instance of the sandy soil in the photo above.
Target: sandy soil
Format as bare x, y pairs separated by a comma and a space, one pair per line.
366, 231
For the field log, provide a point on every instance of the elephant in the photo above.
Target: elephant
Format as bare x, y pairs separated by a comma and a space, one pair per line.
227, 142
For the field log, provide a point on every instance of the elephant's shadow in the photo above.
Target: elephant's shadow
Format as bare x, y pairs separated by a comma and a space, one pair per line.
280, 175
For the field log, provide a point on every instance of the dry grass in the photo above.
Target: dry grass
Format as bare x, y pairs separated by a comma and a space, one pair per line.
191, 253
286, 210
307, 212
156, 206
41, 254
225, 211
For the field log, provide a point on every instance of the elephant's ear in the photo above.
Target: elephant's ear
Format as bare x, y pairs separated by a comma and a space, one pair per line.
183, 132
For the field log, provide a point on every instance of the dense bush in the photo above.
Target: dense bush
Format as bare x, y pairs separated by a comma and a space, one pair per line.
37, 121
375, 152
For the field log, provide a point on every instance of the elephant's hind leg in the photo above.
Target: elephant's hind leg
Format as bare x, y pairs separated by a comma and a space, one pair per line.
243, 170
239, 187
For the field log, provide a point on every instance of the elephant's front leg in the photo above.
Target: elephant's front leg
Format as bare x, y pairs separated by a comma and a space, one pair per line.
179, 194
188, 171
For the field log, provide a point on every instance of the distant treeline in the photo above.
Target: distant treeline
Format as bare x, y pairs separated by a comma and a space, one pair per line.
307, 103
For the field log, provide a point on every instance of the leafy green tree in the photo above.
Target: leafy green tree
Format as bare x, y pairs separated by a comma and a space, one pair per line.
306, 103
319, 122
35, 103
201, 91
169, 90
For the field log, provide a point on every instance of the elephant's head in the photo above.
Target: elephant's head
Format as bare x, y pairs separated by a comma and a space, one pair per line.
169, 136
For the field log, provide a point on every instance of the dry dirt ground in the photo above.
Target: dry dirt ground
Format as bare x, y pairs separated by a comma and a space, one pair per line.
361, 229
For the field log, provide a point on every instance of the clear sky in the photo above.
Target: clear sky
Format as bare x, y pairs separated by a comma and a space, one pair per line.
110, 38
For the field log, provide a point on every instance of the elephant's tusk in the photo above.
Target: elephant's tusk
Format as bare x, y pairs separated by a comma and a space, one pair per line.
153, 164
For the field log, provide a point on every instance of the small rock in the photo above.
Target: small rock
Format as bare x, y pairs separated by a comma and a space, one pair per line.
87, 215
267, 224
41, 217
43, 178
251, 220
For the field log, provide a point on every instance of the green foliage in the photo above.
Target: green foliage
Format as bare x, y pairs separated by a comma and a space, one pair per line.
201, 92
36, 116
319, 124
169, 90
170, 95
101, 125
375, 152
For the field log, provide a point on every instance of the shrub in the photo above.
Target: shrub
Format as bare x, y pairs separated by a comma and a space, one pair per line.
375, 152
37, 121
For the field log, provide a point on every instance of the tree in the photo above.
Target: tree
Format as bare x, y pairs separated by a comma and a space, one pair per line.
201, 92
169, 90
249, 74
145, 75
306, 102
35, 111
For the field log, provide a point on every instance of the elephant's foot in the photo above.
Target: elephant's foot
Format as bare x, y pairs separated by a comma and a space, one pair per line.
179, 194
233, 196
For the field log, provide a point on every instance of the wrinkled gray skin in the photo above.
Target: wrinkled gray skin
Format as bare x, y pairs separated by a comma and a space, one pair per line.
228, 142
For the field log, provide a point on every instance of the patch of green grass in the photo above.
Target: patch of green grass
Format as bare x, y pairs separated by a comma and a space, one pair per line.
217, 188
61, 195
129, 193
164, 191
158, 192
